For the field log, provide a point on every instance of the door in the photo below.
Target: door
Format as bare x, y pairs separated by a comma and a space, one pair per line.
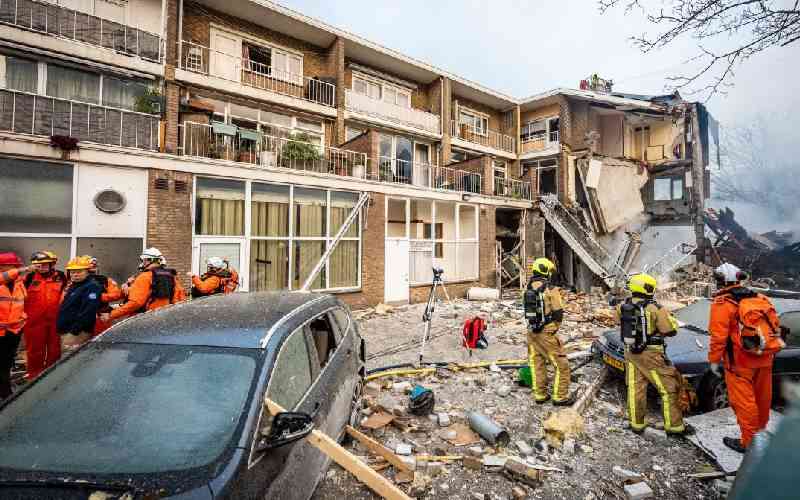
422, 161
229, 249
404, 154
226, 53
396, 271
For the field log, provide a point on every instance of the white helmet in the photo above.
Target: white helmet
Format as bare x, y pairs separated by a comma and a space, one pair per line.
215, 262
149, 255
728, 273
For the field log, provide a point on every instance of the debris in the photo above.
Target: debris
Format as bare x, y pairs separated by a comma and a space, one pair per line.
586, 398
473, 463
378, 449
518, 493
566, 423
524, 448
444, 419
383, 309
625, 474
420, 485
402, 387
488, 429
520, 470
475, 451
372, 389
638, 491
723, 486
477, 293
706, 475
654, 434
386, 402
586, 449
377, 420
568, 446
494, 368
461, 435
494, 460
403, 449
403, 477
504, 390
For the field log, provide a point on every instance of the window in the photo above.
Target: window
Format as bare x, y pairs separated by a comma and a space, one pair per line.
35, 197
476, 123
21, 74
291, 376
342, 318
791, 320
533, 131
119, 93
73, 84
427, 234
668, 188
552, 129
219, 207
380, 90
367, 88
324, 339
351, 133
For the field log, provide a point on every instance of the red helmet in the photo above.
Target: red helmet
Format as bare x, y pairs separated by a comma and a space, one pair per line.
10, 259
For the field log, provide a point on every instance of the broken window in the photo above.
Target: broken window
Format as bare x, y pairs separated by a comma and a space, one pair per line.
668, 188
321, 331
535, 130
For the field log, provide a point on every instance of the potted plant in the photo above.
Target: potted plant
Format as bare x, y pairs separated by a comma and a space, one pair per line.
65, 143
299, 149
148, 102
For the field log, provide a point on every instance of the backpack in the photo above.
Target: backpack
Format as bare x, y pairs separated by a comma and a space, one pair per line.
533, 304
633, 325
759, 331
473, 337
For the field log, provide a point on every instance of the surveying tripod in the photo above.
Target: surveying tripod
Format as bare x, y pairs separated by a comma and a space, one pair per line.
430, 307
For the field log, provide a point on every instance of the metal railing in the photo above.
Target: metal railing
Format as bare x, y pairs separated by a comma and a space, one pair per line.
200, 140
430, 176
25, 113
512, 188
67, 23
540, 141
203, 60
459, 259
408, 116
488, 138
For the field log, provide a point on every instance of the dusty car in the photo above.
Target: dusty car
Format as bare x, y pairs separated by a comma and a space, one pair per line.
169, 404
688, 351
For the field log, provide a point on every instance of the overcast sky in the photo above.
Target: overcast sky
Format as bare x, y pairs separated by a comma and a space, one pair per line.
526, 47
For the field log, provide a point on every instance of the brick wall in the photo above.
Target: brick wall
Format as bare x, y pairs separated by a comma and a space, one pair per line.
487, 246
540, 113
373, 239
480, 165
172, 104
367, 143
169, 219
171, 49
335, 65
446, 114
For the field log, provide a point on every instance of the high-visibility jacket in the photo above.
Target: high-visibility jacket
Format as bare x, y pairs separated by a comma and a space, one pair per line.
553, 303
140, 296
12, 302
723, 324
44, 297
209, 284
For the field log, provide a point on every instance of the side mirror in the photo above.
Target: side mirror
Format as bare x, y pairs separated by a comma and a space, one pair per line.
287, 427
785, 332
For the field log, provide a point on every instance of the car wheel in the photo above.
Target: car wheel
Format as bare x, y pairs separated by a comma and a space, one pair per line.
714, 394
357, 404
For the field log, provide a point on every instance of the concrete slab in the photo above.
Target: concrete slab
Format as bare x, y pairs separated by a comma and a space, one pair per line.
711, 427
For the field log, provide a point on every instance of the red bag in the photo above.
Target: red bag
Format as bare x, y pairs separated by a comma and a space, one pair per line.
473, 331
760, 331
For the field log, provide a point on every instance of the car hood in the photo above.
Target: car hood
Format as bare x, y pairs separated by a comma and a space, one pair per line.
686, 346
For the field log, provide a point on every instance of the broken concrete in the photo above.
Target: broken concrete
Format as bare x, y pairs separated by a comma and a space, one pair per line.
638, 491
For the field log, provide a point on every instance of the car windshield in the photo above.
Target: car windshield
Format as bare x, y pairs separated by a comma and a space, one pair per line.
129, 409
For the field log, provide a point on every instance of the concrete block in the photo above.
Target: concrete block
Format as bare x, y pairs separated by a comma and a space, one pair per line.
524, 448
444, 419
504, 390
403, 449
625, 474
655, 434
638, 491
494, 460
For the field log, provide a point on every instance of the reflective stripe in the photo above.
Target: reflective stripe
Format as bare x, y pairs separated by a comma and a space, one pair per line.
665, 403
632, 398
11, 299
534, 385
557, 378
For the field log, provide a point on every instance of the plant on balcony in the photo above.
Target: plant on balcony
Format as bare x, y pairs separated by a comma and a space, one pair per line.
148, 102
299, 149
65, 143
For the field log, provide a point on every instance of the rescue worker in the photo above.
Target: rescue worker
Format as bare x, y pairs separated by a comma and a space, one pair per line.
12, 315
544, 309
44, 286
78, 311
644, 327
747, 376
111, 293
155, 286
218, 278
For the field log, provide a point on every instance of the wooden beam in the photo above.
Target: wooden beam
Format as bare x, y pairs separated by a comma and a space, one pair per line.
348, 461
378, 449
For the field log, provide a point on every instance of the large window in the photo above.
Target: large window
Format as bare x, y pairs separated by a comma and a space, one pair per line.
377, 89
21, 74
668, 188
476, 123
73, 84
545, 130
289, 230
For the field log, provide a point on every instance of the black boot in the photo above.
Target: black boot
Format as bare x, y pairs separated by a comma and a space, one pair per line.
688, 430
567, 401
734, 444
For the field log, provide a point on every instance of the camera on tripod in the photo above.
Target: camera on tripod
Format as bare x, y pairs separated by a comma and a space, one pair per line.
437, 273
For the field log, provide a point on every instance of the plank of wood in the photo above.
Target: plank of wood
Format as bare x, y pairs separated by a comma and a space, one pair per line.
706, 475
378, 449
348, 461
587, 396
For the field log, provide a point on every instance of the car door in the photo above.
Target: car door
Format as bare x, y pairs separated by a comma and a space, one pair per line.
787, 362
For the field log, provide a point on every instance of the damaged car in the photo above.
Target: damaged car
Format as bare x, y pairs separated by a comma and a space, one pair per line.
688, 351
170, 404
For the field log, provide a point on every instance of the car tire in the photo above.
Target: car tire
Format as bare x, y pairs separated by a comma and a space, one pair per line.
357, 406
713, 393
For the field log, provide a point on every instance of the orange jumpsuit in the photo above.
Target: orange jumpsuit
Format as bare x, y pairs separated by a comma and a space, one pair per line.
209, 284
139, 297
748, 376
111, 293
42, 343
12, 319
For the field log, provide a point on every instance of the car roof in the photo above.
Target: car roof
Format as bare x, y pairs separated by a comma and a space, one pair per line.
232, 320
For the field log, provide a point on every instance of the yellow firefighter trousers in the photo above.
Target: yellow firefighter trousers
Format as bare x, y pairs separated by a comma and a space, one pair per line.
651, 366
545, 347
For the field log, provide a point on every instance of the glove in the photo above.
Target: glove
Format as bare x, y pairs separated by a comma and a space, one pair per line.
716, 369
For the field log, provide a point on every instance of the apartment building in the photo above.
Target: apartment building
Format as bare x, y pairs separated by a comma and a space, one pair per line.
245, 130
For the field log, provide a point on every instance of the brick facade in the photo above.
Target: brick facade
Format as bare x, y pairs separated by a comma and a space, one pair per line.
169, 219
479, 165
373, 238
487, 267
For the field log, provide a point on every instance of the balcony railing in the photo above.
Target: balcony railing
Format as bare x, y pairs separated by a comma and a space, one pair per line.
488, 138
250, 146
25, 113
206, 61
391, 112
430, 176
512, 188
540, 142
58, 21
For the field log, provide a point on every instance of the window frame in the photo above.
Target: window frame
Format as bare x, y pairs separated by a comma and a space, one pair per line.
476, 118
673, 181
383, 86
527, 136
259, 42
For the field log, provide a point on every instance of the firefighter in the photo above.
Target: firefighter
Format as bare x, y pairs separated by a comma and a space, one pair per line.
44, 286
12, 315
544, 310
111, 293
748, 376
78, 312
153, 287
644, 327
219, 278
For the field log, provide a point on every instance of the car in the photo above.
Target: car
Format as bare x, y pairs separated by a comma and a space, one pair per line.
170, 404
688, 351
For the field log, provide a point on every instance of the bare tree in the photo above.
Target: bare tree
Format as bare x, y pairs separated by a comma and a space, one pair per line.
727, 33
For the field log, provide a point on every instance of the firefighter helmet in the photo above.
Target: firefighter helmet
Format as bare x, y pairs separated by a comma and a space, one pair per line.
543, 267
642, 283
80, 263
10, 259
151, 255
44, 257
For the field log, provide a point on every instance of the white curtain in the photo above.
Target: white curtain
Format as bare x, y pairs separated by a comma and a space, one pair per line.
72, 84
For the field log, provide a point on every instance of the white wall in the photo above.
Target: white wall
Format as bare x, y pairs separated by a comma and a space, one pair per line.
132, 183
142, 14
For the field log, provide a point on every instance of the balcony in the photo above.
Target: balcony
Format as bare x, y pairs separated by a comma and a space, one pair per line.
226, 142
540, 142
25, 113
50, 19
398, 171
488, 138
410, 117
512, 188
209, 62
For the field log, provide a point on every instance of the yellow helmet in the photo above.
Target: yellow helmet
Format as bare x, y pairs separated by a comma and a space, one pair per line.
44, 257
543, 267
82, 262
642, 283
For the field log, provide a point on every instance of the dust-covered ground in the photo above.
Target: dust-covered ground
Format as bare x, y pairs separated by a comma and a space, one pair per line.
584, 472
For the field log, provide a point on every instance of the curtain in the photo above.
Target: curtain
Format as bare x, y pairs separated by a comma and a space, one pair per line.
338, 216
269, 218
306, 256
344, 265
72, 84
21, 74
310, 220
121, 94
220, 217
269, 265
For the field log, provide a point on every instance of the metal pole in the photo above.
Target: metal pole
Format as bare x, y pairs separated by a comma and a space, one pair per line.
350, 218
